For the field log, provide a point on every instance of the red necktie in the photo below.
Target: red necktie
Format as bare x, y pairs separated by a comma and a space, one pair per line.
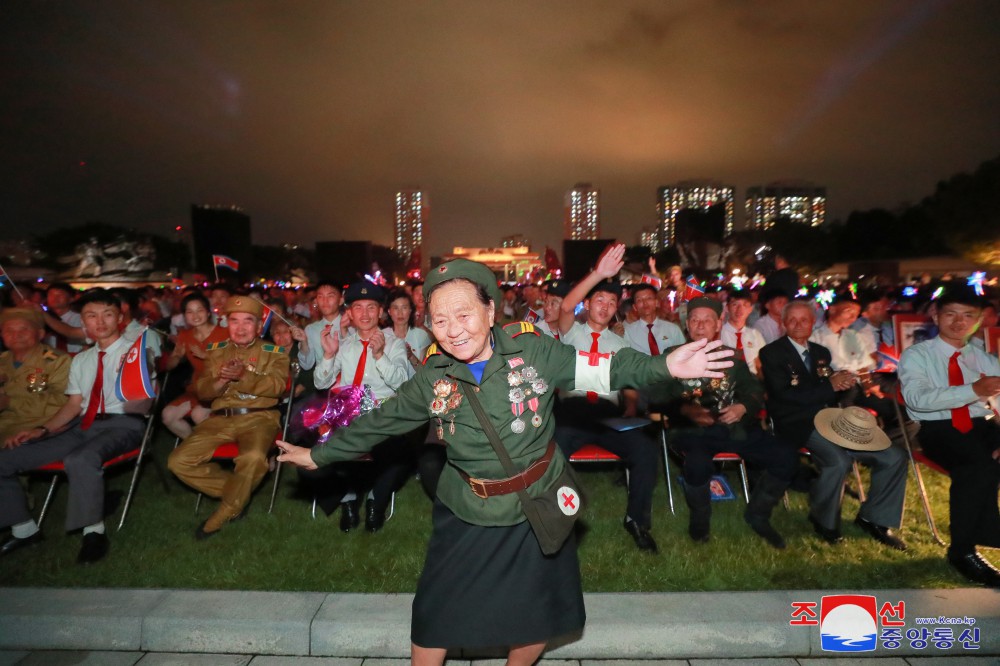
654, 349
556, 334
96, 394
594, 349
739, 345
359, 374
961, 420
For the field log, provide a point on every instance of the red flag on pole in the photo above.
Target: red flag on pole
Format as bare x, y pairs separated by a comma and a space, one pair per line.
134, 382
221, 260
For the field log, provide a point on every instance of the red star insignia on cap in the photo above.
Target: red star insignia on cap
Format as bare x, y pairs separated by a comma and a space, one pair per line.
443, 269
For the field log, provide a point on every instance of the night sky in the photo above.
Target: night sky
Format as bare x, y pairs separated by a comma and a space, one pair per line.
310, 115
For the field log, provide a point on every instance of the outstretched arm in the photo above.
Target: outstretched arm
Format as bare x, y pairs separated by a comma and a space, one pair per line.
611, 261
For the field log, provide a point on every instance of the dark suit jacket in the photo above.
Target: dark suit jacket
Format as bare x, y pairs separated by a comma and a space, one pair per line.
793, 407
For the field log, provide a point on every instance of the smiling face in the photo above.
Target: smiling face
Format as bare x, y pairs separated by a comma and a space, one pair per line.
365, 315
195, 314
739, 310
460, 322
243, 327
601, 307
956, 322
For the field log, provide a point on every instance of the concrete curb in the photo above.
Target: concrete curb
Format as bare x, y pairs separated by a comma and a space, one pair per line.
681, 625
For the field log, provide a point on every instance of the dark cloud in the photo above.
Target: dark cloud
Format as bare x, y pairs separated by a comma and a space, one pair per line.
311, 115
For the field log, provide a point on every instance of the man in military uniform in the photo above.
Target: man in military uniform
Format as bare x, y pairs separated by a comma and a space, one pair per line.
244, 378
33, 375
710, 416
555, 292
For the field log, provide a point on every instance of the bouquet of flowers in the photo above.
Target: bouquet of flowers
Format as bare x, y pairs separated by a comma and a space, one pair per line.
336, 409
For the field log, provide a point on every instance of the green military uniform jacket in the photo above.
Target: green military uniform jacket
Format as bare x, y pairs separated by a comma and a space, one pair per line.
518, 384
262, 383
27, 408
745, 389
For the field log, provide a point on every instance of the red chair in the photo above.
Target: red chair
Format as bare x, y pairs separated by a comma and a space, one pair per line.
137, 454
721, 458
918, 458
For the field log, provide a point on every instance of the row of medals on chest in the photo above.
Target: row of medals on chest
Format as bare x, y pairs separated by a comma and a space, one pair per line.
36, 381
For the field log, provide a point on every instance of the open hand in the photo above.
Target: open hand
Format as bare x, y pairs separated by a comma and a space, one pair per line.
698, 359
329, 339
611, 261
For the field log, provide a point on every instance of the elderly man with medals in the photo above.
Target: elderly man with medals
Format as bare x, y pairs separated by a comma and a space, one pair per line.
486, 581
711, 416
800, 383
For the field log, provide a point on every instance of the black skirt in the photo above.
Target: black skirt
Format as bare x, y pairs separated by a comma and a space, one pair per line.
493, 587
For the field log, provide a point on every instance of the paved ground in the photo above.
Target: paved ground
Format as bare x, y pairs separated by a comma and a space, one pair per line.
154, 627
75, 658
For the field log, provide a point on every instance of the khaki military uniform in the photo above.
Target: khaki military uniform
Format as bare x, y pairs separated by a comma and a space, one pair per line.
263, 383
37, 389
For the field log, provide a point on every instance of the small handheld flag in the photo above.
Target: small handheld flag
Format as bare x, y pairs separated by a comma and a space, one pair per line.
134, 382
692, 288
225, 262
266, 316
651, 279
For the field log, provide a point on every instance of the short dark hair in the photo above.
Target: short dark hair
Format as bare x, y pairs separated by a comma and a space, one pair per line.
740, 295
331, 284
636, 288
99, 296
127, 296
223, 286
195, 297
960, 295
396, 294
61, 286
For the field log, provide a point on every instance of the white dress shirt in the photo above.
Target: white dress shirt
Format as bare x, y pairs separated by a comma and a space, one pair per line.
313, 332
154, 344
923, 375
384, 375
769, 328
419, 341
83, 372
70, 318
667, 334
751, 338
849, 350
544, 327
607, 342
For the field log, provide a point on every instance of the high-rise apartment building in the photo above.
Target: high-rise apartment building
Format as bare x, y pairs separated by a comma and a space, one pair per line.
697, 194
412, 210
582, 213
798, 201
516, 240
649, 237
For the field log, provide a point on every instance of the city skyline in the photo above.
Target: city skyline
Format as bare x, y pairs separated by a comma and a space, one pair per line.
310, 121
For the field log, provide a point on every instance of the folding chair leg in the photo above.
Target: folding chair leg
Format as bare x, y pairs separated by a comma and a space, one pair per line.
197, 503
857, 479
666, 470
392, 505
274, 487
314, 508
743, 478
48, 499
131, 489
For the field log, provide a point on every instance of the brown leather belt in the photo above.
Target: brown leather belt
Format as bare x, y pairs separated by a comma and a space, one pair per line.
239, 411
484, 488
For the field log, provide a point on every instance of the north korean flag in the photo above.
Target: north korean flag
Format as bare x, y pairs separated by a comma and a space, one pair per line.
692, 289
223, 261
134, 382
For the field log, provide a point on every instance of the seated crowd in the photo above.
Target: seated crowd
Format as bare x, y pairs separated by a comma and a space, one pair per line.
807, 398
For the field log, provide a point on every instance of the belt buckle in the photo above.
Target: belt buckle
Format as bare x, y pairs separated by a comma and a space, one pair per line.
478, 488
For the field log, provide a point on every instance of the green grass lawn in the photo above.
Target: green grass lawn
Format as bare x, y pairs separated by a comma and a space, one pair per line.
289, 550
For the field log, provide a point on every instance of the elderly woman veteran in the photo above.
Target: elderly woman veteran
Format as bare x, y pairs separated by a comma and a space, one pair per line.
485, 581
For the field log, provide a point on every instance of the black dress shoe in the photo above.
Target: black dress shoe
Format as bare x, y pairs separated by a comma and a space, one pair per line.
764, 529
976, 569
94, 548
13, 543
349, 518
643, 539
374, 517
832, 537
881, 534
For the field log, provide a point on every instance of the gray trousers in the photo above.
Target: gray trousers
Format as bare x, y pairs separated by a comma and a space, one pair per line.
884, 505
83, 453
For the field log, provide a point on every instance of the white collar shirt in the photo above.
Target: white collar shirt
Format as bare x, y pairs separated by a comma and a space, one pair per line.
544, 327
667, 334
83, 372
313, 332
923, 375
752, 341
384, 376
418, 340
769, 328
848, 349
580, 336
154, 344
